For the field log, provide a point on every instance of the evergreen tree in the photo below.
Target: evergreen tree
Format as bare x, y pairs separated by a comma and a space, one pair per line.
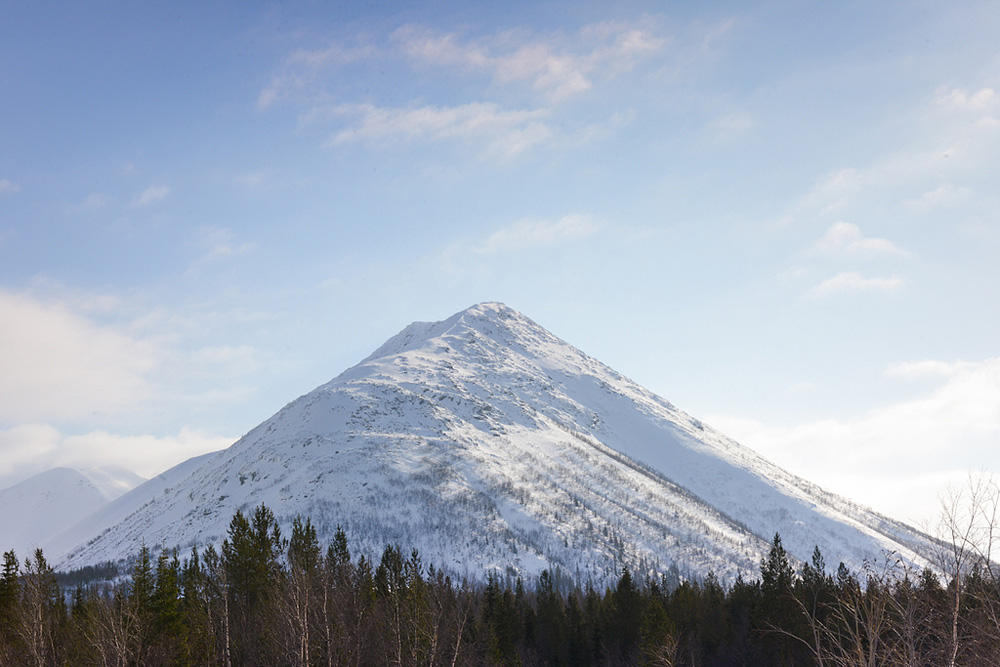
10, 592
251, 559
165, 604
551, 621
780, 619
624, 626
304, 564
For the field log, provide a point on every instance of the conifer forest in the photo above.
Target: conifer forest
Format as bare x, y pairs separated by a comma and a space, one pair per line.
267, 599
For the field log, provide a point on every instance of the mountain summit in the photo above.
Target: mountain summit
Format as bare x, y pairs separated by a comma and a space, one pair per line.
487, 443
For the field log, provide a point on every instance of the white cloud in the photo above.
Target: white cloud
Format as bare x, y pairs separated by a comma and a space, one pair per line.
731, 126
846, 237
302, 69
56, 364
984, 99
507, 133
556, 65
219, 243
911, 370
95, 201
900, 457
8, 188
33, 448
151, 195
852, 281
945, 195
958, 138
531, 233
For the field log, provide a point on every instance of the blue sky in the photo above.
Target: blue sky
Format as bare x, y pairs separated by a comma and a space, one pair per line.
780, 216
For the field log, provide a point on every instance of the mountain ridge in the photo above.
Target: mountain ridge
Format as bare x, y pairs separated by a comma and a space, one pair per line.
489, 443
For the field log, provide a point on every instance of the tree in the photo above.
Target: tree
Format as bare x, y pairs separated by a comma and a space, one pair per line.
165, 605
551, 620
304, 564
251, 558
10, 596
779, 616
42, 610
969, 527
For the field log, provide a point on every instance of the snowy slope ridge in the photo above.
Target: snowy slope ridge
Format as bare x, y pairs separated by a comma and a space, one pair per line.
487, 443
109, 514
43, 505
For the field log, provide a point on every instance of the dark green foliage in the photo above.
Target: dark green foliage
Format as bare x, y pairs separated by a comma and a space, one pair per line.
267, 601
10, 592
251, 561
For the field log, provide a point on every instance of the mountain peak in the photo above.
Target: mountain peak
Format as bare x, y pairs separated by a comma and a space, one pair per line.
489, 444
484, 318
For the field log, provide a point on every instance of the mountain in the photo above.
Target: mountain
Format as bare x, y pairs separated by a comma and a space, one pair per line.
108, 514
489, 444
45, 504
112, 481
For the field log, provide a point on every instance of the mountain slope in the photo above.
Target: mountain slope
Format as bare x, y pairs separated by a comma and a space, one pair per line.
57, 543
486, 442
43, 505
113, 481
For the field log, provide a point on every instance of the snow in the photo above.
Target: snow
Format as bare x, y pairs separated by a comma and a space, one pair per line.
113, 481
60, 541
43, 505
487, 443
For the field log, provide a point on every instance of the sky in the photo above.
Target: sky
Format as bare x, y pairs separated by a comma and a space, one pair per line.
781, 216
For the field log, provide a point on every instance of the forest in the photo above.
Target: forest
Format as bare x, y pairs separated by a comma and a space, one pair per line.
266, 599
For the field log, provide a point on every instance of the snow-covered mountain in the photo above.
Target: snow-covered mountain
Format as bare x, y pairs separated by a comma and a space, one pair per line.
108, 514
487, 443
43, 505
112, 481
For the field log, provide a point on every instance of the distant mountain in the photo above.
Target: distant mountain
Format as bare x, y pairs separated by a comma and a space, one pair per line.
57, 543
489, 444
47, 503
113, 481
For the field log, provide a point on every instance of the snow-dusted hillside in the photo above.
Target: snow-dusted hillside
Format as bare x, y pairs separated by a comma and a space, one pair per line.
59, 542
43, 505
112, 481
487, 442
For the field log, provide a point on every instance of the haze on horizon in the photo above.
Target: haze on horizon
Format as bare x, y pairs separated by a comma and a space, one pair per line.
780, 217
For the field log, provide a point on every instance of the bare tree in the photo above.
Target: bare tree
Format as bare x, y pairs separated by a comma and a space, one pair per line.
969, 529
40, 606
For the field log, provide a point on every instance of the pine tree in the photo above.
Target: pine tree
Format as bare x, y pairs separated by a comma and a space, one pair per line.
165, 604
10, 591
251, 558
551, 620
304, 564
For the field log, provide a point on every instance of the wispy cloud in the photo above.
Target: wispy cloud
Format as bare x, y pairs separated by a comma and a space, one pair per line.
732, 126
218, 243
8, 188
911, 370
56, 364
945, 195
557, 66
151, 195
958, 138
846, 237
958, 414
961, 99
95, 201
505, 133
33, 448
532, 233
852, 281
302, 70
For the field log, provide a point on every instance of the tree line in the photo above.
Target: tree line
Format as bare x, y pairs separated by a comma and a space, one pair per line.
262, 599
